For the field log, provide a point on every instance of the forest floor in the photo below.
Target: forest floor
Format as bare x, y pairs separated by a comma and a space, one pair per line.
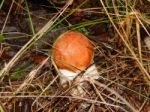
29, 81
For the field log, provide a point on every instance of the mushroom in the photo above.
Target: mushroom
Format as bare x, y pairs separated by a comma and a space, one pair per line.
73, 53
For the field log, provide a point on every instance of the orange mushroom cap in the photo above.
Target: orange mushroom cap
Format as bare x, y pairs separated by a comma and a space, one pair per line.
72, 51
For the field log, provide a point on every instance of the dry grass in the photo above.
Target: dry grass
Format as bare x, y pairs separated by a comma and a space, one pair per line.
121, 56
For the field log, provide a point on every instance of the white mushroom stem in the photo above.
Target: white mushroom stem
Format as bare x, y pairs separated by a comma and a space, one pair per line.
66, 76
147, 42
